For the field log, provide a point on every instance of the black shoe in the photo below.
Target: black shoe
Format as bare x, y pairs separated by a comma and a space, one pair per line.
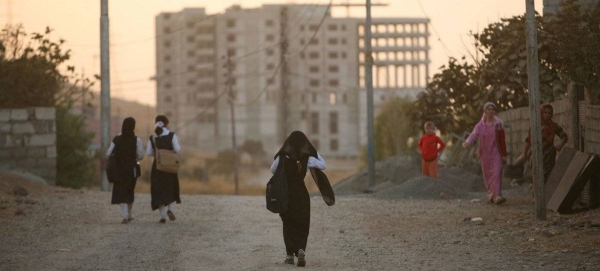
289, 259
301, 260
125, 221
171, 215
162, 220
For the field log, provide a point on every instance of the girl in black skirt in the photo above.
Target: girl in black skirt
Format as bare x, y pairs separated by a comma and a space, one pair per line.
297, 154
164, 186
128, 149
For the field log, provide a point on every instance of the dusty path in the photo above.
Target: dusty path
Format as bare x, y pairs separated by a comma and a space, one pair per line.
73, 230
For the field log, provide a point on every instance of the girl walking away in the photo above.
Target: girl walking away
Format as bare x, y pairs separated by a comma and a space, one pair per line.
492, 151
164, 186
128, 149
298, 155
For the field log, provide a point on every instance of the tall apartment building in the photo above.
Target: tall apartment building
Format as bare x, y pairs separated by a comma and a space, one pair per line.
552, 6
294, 68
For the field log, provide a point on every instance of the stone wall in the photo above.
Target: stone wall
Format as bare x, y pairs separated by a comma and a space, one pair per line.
28, 141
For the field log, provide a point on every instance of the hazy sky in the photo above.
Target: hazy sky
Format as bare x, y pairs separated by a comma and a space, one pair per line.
132, 29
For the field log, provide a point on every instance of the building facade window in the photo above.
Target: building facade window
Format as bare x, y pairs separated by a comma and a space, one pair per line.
332, 41
313, 55
334, 82
333, 55
333, 145
332, 27
333, 122
230, 52
314, 83
230, 23
230, 38
269, 23
314, 123
332, 98
313, 69
334, 69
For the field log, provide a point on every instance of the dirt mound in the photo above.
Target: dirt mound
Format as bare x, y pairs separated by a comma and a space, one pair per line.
400, 176
423, 188
9, 182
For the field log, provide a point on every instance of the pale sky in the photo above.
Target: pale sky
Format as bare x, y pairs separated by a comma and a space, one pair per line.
132, 29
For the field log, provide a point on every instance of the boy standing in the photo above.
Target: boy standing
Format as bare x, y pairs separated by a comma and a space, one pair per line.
430, 145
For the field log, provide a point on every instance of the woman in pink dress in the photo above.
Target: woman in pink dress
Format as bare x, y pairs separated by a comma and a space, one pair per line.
489, 132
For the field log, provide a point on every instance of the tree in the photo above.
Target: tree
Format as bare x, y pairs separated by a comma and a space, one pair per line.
574, 40
31, 74
455, 96
393, 128
452, 99
503, 68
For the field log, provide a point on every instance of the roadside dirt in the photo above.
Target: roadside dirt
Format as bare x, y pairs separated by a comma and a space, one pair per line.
61, 229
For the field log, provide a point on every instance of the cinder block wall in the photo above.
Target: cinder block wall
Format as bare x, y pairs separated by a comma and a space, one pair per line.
592, 130
518, 120
28, 141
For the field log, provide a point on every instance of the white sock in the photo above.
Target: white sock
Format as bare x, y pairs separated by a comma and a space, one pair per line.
124, 212
163, 213
171, 206
129, 210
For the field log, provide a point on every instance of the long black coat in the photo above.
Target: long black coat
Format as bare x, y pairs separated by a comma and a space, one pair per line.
296, 222
164, 186
125, 151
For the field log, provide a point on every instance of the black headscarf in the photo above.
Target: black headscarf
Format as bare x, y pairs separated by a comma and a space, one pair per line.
297, 146
128, 127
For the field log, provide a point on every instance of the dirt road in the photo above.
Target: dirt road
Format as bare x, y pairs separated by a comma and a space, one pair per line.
60, 229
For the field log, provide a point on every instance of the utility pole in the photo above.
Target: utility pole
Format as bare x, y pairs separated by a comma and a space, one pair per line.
369, 86
229, 83
534, 111
284, 99
104, 86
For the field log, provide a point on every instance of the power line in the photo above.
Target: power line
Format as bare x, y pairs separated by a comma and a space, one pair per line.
314, 33
152, 38
447, 51
218, 62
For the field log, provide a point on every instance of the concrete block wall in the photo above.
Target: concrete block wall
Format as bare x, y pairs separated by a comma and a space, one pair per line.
28, 141
592, 130
518, 119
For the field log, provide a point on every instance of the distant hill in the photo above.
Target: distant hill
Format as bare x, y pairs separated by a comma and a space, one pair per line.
120, 109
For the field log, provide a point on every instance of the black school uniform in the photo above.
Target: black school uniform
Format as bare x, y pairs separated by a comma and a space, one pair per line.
164, 186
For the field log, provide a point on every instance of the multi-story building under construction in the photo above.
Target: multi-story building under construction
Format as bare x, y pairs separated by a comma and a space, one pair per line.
285, 68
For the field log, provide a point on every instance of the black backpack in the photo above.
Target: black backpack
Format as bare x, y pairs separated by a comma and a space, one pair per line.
112, 171
277, 190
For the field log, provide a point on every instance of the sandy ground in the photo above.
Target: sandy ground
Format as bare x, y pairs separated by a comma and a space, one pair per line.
62, 229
